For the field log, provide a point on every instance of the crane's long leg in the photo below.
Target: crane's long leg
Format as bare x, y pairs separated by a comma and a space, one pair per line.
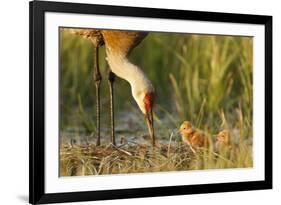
111, 78
97, 79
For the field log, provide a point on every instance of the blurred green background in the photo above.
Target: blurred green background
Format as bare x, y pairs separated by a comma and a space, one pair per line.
205, 79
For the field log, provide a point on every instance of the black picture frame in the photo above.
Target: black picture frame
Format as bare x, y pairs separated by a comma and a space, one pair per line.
37, 10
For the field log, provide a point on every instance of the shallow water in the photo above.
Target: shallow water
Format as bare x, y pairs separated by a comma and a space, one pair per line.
129, 126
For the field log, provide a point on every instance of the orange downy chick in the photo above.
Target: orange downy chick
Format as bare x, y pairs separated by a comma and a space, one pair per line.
223, 140
191, 135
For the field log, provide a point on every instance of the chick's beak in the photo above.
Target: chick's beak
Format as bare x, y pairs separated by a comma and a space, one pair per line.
149, 122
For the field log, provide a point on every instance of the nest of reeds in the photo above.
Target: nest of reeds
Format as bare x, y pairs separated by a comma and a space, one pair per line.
81, 160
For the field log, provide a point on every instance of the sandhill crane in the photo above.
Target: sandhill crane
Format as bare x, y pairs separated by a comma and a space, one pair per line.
118, 46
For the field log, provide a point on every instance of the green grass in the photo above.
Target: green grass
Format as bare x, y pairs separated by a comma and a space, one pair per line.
201, 78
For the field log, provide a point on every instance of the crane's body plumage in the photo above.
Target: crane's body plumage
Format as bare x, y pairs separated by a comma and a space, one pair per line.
121, 42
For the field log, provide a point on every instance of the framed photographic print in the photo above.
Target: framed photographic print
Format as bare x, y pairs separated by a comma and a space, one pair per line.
140, 102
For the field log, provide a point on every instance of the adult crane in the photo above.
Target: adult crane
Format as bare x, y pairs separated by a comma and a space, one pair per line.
118, 46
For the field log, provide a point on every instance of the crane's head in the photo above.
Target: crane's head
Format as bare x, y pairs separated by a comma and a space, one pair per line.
144, 96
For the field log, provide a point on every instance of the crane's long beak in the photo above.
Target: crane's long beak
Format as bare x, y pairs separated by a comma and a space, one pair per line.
149, 122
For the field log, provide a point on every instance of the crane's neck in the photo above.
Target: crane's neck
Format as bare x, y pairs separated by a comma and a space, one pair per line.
123, 68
